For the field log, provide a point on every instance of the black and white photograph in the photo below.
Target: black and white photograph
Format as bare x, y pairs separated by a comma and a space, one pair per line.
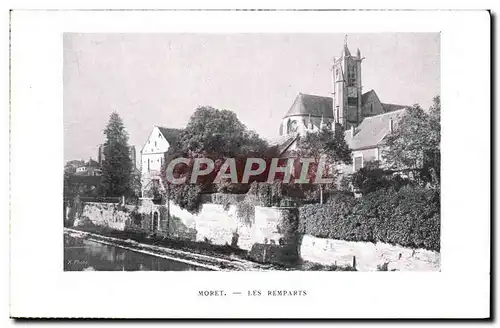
250, 164
252, 152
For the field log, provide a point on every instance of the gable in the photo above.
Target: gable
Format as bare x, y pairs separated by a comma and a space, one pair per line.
371, 104
156, 143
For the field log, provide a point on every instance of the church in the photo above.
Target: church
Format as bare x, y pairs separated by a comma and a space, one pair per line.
365, 119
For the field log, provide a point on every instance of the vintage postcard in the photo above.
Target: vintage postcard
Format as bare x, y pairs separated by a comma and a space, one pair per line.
306, 153
335, 170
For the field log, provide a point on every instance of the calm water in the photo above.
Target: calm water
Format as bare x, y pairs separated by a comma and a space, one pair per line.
85, 255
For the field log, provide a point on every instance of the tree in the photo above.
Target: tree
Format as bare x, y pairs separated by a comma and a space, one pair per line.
215, 134
415, 144
117, 165
327, 145
214, 131
135, 182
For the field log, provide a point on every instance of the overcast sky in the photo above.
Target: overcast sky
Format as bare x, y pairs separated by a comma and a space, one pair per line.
160, 79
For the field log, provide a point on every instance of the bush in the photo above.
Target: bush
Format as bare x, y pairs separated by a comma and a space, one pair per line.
372, 177
407, 217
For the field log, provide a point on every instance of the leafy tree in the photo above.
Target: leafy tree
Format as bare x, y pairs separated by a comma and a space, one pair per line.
117, 165
415, 144
218, 135
329, 145
213, 131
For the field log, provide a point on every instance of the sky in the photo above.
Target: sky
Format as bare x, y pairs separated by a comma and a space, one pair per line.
160, 79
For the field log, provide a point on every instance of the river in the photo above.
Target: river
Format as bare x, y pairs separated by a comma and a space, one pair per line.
85, 255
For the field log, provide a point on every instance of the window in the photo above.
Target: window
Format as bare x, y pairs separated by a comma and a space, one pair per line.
155, 143
351, 76
371, 108
148, 164
292, 127
358, 162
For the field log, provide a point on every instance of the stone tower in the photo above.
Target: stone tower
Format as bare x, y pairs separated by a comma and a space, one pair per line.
347, 88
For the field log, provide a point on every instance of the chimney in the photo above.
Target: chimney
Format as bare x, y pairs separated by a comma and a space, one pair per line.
391, 125
352, 131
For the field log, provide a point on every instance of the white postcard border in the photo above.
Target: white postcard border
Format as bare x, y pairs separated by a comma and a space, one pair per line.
40, 288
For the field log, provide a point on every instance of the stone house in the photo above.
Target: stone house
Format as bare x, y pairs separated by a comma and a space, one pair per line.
153, 154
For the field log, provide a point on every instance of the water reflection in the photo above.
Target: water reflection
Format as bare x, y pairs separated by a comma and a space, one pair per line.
85, 255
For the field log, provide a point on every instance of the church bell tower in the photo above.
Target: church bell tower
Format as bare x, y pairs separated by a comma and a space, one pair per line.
347, 88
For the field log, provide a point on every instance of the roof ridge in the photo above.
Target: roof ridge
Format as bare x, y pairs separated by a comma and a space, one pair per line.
386, 113
163, 127
386, 103
309, 94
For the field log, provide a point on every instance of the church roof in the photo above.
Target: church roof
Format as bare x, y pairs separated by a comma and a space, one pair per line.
392, 107
306, 105
366, 95
169, 134
373, 130
387, 107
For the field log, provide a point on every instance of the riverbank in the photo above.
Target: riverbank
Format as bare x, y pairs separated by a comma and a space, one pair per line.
225, 263
210, 257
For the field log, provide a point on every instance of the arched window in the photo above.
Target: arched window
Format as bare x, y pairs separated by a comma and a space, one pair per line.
154, 226
292, 126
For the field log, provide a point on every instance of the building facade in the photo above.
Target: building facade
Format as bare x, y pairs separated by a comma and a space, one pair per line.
153, 154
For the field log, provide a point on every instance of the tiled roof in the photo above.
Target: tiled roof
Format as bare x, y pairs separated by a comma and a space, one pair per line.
372, 131
392, 107
170, 134
364, 96
317, 106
